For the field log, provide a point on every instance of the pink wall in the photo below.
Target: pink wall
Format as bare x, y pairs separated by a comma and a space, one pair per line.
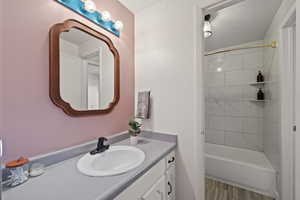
1, 69
32, 123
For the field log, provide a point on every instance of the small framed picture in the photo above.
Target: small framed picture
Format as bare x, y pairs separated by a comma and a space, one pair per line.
143, 106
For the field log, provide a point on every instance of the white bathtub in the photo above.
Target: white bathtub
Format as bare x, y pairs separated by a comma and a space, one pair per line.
244, 168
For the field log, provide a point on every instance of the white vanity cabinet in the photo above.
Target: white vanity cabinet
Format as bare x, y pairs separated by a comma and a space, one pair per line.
158, 191
158, 183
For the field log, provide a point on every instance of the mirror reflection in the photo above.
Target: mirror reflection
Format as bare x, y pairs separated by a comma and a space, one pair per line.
86, 71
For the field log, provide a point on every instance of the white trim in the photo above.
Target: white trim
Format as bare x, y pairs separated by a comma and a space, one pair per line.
287, 104
221, 5
199, 104
297, 91
84, 84
100, 88
212, 4
199, 128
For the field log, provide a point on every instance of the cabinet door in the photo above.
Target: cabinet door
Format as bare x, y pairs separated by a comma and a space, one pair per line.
143, 184
170, 183
158, 191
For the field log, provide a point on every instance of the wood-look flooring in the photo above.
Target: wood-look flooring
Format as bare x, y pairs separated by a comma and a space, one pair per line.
215, 190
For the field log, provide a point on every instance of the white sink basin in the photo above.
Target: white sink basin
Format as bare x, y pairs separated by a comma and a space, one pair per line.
116, 160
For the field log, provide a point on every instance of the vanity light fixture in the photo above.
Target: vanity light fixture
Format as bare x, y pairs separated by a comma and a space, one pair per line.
88, 9
207, 26
118, 25
105, 16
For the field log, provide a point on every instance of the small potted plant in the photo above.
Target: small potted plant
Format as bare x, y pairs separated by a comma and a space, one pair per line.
134, 131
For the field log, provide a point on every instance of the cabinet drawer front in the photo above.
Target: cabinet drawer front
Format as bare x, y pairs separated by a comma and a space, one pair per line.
144, 183
170, 160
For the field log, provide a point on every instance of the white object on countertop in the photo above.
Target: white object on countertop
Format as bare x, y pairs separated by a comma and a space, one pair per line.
36, 169
134, 140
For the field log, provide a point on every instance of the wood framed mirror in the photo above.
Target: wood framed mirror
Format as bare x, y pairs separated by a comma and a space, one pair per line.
84, 70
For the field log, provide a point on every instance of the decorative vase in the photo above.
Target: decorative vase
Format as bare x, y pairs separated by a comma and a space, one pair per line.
133, 140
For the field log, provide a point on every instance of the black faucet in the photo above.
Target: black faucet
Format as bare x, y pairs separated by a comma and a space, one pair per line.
100, 146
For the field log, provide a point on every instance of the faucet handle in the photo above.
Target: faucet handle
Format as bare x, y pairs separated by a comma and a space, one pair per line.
101, 141
100, 146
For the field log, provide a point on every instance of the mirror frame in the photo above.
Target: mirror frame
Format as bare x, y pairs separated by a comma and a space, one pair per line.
54, 68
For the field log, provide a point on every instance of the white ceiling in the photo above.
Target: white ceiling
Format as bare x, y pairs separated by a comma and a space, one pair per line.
241, 23
137, 5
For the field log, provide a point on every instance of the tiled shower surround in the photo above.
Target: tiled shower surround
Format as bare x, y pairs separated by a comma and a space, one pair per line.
232, 118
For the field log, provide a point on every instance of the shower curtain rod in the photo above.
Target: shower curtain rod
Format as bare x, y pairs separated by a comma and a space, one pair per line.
273, 45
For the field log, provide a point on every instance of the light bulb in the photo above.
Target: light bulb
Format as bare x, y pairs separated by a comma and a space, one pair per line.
105, 16
89, 6
207, 29
118, 25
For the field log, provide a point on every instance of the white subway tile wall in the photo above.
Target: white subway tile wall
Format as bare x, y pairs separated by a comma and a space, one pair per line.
272, 115
231, 118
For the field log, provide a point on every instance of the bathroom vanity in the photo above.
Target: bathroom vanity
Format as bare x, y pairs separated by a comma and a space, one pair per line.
160, 179
154, 179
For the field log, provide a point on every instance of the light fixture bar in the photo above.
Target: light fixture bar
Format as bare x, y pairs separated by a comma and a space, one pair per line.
87, 9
